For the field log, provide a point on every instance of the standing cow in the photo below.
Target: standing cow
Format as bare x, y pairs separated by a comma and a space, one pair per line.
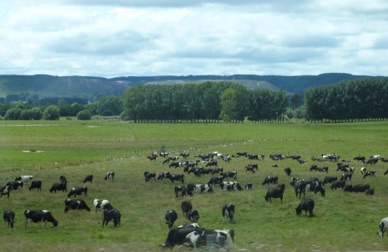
228, 212
171, 216
305, 205
43, 216
109, 215
9, 217
76, 204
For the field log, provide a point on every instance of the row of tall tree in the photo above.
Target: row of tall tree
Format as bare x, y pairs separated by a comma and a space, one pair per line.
209, 101
357, 99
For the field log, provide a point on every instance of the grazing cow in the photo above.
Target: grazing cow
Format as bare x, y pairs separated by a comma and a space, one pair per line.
228, 212
203, 188
163, 175
370, 191
300, 187
88, 178
24, 178
152, 157
270, 180
43, 216
305, 205
78, 191
110, 175
206, 238
175, 164
288, 171
316, 186
217, 170
215, 180
371, 161
5, 190
360, 188
186, 206
348, 188
231, 186
252, 167
338, 184
58, 187
101, 205
148, 176
182, 190
112, 214
347, 176
369, 173
177, 177
248, 186
76, 204
35, 184
13, 185
171, 216
228, 175
319, 168
9, 217
193, 215
177, 236
253, 157
383, 226
360, 158
212, 163
275, 192
329, 179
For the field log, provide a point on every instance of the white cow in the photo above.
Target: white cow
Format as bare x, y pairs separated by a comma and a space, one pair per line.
383, 226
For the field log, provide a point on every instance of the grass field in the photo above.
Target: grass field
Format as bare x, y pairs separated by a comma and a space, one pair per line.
46, 150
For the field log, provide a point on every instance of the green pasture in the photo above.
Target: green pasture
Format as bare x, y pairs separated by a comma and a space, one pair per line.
46, 150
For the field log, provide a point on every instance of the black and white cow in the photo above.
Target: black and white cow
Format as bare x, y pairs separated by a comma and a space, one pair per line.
231, 186
5, 190
193, 215
213, 238
305, 205
112, 214
228, 212
182, 191
13, 185
24, 178
58, 187
88, 178
186, 206
177, 177
369, 173
102, 205
229, 175
9, 217
177, 236
288, 171
252, 167
203, 188
215, 180
248, 186
383, 226
78, 191
212, 163
163, 175
149, 175
346, 176
275, 192
35, 184
217, 170
76, 204
171, 216
43, 216
110, 175
270, 180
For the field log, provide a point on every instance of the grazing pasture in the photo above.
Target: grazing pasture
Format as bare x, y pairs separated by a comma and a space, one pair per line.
48, 150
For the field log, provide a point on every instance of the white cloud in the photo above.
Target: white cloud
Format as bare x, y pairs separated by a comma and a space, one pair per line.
174, 37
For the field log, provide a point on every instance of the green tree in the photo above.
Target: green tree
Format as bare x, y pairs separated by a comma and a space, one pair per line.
109, 105
13, 114
84, 115
228, 105
52, 112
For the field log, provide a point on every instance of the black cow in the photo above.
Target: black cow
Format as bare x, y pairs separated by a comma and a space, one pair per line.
252, 167
215, 180
177, 236
360, 188
148, 176
76, 204
112, 214
248, 186
193, 215
371, 161
102, 205
62, 179
88, 178
217, 170
228, 212
9, 217
152, 157
305, 205
275, 192
370, 191
163, 175
186, 206
300, 187
78, 191
171, 216
360, 158
175, 164
13, 185
386, 172
110, 175
182, 190
288, 171
229, 175
270, 180
212, 163
329, 179
35, 184
58, 187
338, 184
43, 216
347, 176
348, 188
5, 190
177, 177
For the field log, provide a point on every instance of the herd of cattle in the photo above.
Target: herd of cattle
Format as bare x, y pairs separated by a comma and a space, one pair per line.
109, 213
208, 164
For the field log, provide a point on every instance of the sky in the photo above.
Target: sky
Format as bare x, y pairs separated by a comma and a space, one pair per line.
112, 38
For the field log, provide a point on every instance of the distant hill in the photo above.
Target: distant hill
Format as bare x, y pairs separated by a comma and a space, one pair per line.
93, 87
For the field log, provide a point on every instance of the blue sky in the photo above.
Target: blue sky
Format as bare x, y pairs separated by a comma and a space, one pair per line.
110, 38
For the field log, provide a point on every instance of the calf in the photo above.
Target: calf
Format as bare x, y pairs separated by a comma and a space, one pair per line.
78, 191
228, 212
76, 204
270, 180
110, 175
9, 217
101, 205
171, 216
88, 178
112, 214
58, 187
305, 205
43, 216
193, 215
35, 184
186, 206
5, 190
383, 226
275, 192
